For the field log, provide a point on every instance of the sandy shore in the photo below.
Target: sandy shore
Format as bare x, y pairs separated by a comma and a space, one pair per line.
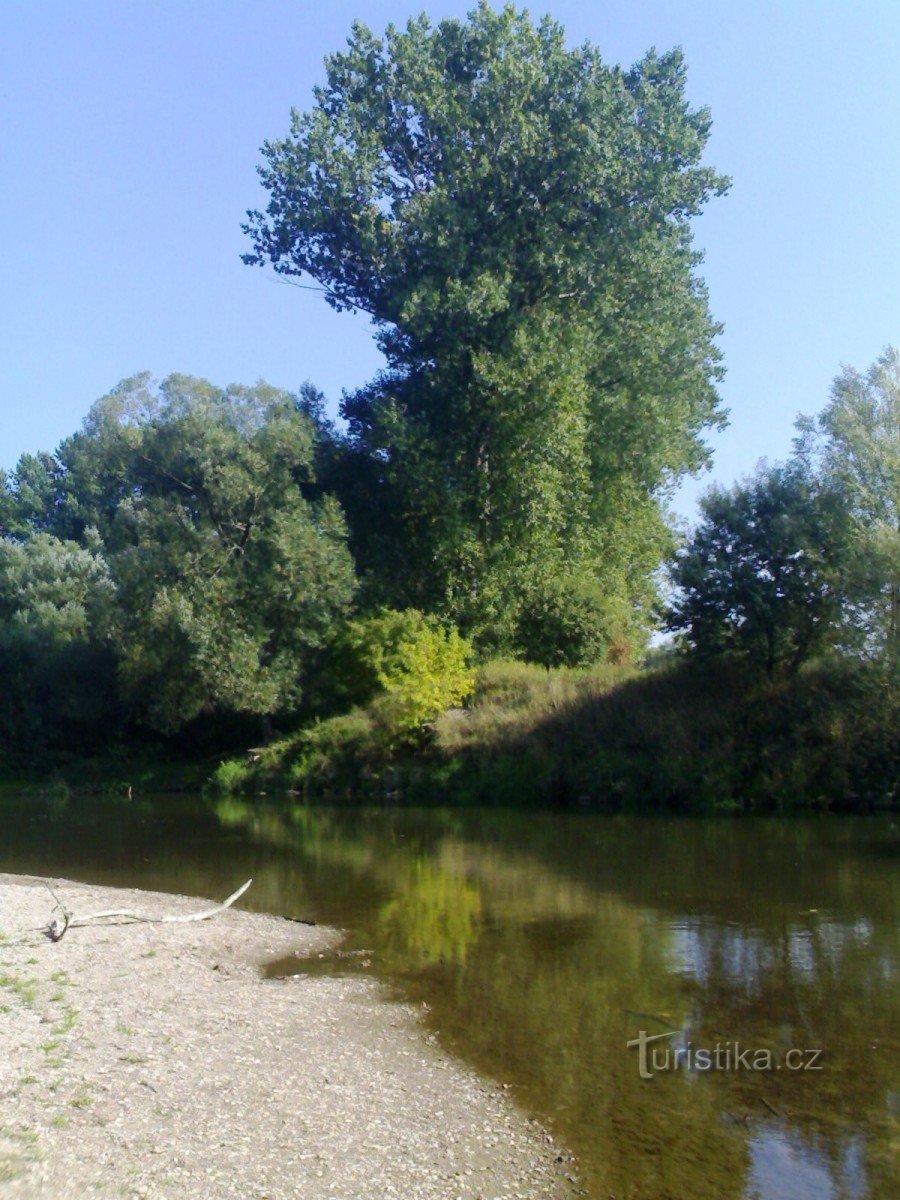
153, 1061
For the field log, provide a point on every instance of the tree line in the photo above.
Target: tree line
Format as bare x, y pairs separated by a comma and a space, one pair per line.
514, 216
803, 557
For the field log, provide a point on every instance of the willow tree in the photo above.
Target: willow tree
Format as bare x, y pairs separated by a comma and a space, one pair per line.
228, 581
513, 215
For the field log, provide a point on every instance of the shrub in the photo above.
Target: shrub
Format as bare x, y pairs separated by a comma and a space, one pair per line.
414, 668
230, 776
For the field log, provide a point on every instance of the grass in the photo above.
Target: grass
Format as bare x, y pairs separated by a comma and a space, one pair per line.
23, 1134
24, 989
10, 1170
20, 1150
27, 991
680, 737
68, 1021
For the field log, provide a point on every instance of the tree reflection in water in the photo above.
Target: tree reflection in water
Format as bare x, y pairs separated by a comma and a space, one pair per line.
542, 944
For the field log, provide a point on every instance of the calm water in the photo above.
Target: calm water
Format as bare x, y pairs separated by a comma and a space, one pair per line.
543, 944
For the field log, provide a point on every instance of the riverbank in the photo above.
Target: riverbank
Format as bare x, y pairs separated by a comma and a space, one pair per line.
685, 737
153, 1061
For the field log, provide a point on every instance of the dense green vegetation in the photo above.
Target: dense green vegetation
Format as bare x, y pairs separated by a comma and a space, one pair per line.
199, 570
806, 556
687, 736
164, 566
514, 217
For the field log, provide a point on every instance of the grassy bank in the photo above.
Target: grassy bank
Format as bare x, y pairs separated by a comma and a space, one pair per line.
118, 772
679, 738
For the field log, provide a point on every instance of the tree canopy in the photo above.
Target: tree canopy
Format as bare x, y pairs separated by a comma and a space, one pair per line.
761, 575
186, 502
514, 216
806, 555
854, 444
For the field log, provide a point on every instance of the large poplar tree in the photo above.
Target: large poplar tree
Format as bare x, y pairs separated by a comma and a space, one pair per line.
514, 217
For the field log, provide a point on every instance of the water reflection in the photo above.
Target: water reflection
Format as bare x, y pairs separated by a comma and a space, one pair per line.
433, 917
541, 945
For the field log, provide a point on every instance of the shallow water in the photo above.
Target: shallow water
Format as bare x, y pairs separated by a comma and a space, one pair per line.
541, 945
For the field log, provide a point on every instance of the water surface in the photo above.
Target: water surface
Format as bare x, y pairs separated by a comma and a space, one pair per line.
540, 945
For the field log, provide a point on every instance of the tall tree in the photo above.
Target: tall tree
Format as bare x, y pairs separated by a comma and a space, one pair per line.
57, 665
854, 445
514, 216
762, 574
228, 579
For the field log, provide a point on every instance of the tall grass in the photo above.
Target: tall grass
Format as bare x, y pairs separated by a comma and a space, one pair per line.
684, 737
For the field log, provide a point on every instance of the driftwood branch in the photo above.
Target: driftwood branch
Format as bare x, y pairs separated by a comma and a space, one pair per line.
56, 930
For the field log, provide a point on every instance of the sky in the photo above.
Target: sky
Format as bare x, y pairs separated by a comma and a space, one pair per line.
130, 133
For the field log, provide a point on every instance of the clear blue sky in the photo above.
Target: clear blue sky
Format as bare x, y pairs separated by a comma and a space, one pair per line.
130, 130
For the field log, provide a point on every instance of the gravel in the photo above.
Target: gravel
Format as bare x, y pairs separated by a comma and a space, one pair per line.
153, 1061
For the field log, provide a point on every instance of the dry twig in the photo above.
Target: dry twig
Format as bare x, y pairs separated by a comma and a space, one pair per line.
56, 930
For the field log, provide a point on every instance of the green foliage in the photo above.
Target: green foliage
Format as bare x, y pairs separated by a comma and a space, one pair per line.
692, 737
56, 663
400, 670
54, 590
806, 556
761, 575
228, 578
854, 446
514, 217
188, 501
321, 755
230, 776
418, 667
528, 690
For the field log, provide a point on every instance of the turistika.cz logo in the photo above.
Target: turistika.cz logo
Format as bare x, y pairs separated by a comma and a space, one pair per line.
657, 1054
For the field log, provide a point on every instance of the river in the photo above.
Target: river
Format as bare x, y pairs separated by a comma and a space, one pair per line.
751, 964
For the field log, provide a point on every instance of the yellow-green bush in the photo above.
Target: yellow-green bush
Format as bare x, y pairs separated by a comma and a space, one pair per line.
409, 664
231, 775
